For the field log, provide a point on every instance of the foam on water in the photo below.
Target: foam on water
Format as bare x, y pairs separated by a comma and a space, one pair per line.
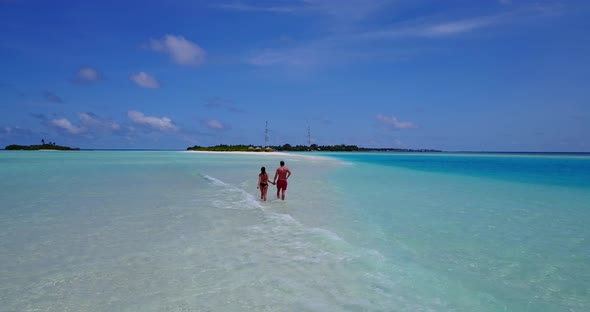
315, 266
232, 197
308, 262
297, 255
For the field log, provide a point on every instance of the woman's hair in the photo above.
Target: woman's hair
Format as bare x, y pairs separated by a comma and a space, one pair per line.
262, 170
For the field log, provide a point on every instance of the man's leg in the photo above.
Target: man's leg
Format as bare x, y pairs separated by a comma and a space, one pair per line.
283, 194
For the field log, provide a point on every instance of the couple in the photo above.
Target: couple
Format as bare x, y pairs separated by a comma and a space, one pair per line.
283, 173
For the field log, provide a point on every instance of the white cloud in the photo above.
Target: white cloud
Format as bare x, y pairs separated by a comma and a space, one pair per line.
163, 124
435, 29
345, 48
88, 74
14, 130
66, 125
145, 80
461, 26
214, 124
182, 51
237, 6
343, 10
269, 58
301, 56
349, 10
93, 121
343, 45
345, 36
393, 121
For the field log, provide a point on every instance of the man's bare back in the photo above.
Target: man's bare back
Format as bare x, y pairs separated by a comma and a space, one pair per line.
283, 173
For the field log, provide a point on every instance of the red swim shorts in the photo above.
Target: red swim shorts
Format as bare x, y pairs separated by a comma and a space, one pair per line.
282, 184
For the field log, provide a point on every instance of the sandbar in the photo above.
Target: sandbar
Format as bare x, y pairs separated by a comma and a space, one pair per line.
245, 153
282, 154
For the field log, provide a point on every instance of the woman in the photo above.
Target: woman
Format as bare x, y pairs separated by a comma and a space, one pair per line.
263, 183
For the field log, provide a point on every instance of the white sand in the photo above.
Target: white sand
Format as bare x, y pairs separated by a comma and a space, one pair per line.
283, 154
247, 153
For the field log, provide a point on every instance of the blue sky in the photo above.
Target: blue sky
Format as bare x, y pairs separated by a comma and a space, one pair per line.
495, 75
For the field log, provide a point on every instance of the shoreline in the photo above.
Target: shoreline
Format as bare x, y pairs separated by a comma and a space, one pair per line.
244, 153
283, 154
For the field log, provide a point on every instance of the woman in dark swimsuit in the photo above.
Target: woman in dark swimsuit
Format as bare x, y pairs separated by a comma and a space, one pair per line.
263, 183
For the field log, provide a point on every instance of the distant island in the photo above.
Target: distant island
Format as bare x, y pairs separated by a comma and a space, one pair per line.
302, 148
42, 146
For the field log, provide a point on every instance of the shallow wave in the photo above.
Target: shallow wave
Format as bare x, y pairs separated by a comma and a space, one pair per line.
283, 228
232, 197
307, 262
214, 180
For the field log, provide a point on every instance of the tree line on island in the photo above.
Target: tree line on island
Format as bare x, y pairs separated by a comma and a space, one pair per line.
42, 146
300, 148
243, 148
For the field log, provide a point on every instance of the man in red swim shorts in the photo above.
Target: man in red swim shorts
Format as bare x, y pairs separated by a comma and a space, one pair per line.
283, 173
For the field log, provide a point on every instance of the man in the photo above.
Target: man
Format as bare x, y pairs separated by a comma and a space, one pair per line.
283, 173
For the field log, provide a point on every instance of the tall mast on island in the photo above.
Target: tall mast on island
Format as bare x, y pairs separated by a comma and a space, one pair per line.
266, 135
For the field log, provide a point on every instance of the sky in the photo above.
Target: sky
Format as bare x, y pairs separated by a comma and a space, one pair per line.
488, 75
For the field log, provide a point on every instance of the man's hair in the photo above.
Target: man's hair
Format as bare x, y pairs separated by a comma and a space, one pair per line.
282, 163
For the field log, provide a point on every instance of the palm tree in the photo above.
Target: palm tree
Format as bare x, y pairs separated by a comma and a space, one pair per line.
43, 141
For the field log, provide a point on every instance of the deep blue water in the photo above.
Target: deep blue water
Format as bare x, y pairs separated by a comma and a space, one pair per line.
570, 170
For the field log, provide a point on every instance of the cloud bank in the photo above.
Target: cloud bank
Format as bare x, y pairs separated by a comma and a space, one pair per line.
145, 80
92, 121
161, 124
65, 124
394, 122
88, 75
215, 124
181, 50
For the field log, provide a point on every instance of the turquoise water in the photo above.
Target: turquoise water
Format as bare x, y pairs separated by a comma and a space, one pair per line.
179, 231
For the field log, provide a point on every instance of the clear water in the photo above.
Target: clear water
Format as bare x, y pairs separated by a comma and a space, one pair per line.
177, 231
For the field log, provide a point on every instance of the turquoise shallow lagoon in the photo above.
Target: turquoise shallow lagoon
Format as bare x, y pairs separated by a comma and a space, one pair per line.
180, 231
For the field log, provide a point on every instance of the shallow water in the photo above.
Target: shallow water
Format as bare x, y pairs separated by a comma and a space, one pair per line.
178, 231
